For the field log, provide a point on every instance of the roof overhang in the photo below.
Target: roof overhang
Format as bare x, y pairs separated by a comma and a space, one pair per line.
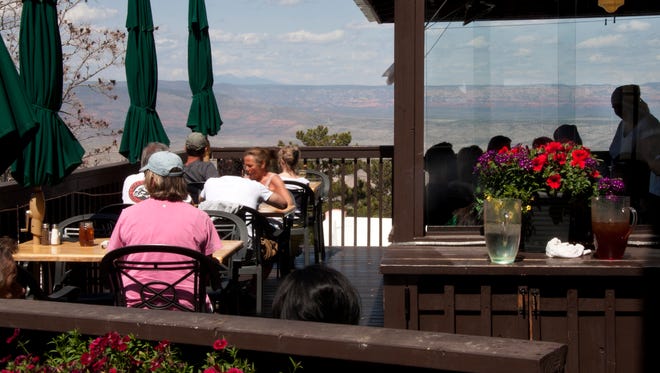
465, 11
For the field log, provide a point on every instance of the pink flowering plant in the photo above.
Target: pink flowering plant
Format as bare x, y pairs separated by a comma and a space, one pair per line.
113, 353
555, 169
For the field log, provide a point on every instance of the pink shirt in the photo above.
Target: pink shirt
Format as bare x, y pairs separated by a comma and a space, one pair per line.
162, 222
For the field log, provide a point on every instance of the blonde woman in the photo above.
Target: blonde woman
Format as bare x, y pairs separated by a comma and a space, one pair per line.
287, 159
255, 166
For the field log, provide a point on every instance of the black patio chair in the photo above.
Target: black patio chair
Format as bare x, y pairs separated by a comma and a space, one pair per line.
34, 291
194, 188
317, 217
114, 208
249, 261
303, 218
232, 227
158, 293
85, 276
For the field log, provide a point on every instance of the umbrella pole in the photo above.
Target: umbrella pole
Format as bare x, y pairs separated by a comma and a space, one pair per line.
37, 211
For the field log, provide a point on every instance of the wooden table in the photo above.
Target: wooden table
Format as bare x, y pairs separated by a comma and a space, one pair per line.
606, 311
73, 252
273, 212
314, 185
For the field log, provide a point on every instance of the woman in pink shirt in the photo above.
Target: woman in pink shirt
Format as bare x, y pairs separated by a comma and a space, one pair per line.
164, 218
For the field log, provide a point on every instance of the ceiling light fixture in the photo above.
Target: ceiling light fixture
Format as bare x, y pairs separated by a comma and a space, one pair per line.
610, 6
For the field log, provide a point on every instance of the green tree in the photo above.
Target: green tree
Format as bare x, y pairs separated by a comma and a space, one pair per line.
86, 53
321, 136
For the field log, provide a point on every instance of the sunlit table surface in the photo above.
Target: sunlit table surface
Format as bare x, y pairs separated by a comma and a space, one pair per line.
314, 185
72, 251
268, 210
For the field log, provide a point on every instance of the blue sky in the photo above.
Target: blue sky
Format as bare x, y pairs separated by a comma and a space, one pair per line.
314, 42
322, 42
581, 51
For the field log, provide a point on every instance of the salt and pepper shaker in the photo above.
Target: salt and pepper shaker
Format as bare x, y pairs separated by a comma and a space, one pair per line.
45, 237
55, 235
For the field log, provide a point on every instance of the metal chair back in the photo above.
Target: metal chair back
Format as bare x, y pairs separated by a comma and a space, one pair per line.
157, 281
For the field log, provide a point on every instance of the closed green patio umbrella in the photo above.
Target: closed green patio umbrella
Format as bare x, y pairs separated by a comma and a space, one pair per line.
54, 152
17, 124
142, 124
203, 116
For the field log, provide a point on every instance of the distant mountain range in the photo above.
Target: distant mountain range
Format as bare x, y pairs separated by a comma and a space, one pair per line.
262, 114
257, 112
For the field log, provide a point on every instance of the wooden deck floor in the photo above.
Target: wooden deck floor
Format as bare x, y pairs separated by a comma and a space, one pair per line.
361, 266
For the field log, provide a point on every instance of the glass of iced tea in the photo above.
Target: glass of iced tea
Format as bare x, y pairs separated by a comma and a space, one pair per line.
86, 233
612, 221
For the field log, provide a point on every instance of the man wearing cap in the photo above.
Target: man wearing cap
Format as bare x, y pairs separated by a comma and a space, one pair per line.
195, 169
164, 218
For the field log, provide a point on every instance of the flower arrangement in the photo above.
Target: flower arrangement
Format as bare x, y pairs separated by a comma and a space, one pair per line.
114, 353
555, 169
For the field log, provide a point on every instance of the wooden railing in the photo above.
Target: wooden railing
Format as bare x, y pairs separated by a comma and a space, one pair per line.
318, 346
369, 167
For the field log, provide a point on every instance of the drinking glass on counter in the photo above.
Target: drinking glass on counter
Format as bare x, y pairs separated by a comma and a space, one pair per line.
502, 227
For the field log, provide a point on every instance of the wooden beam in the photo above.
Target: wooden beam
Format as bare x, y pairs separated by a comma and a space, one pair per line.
442, 351
408, 213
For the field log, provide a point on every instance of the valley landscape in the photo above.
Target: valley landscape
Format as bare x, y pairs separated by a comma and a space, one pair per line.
263, 114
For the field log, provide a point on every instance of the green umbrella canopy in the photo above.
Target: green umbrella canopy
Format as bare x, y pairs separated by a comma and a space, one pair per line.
142, 124
17, 124
203, 116
54, 153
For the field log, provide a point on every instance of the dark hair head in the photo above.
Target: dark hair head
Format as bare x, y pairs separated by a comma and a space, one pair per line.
542, 140
625, 95
317, 293
498, 142
9, 285
566, 133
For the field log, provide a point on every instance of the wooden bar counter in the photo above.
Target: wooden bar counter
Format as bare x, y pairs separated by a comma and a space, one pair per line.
605, 311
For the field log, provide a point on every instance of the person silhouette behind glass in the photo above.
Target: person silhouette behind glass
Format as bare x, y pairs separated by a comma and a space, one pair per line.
567, 133
497, 142
440, 166
635, 151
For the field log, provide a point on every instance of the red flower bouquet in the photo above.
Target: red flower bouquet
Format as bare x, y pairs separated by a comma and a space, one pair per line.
555, 169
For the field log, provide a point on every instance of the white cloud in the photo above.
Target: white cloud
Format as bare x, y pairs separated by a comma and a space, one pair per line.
288, 2
478, 42
601, 41
524, 39
634, 25
163, 42
175, 73
84, 13
599, 58
249, 38
523, 52
306, 36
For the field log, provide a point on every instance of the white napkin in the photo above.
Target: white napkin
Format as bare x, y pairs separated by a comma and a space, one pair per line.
558, 249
